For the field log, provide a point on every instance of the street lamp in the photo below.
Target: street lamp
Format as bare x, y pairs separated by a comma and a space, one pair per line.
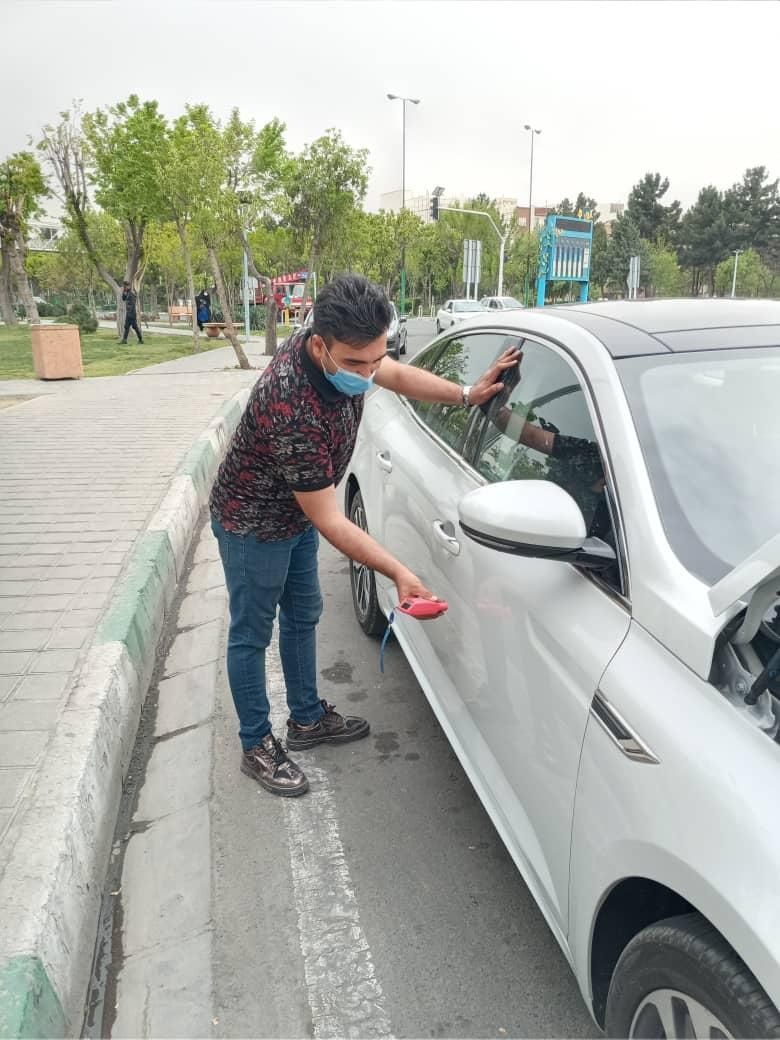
532, 131
244, 204
734, 278
413, 101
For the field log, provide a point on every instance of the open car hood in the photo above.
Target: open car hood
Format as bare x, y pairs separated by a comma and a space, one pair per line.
758, 575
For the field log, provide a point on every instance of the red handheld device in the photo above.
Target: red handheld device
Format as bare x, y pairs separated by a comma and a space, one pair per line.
421, 608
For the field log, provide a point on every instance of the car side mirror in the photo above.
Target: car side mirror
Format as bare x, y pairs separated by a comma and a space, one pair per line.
533, 518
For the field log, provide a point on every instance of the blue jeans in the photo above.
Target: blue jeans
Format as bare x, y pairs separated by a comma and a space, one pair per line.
260, 577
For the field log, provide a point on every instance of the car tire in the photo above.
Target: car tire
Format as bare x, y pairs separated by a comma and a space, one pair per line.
402, 348
363, 582
438, 328
684, 967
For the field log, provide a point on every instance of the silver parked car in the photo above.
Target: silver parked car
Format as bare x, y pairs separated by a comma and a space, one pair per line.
501, 303
453, 311
396, 334
607, 535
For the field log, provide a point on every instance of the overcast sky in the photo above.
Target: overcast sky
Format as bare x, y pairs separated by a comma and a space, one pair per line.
618, 88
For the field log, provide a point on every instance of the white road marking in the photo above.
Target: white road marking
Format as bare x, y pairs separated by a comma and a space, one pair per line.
345, 996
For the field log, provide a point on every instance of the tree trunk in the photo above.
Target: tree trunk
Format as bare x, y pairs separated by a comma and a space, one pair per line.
16, 255
185, 249
270, 307
230, 329
7, 308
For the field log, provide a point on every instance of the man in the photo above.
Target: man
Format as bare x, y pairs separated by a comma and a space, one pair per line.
275, 493
129, 298
203, 307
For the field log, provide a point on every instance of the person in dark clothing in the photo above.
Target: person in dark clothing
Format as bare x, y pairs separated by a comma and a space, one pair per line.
203, 307
130, 298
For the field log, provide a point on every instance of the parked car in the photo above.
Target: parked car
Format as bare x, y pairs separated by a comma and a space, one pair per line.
501, 303
453, 311
396, 334
608, 671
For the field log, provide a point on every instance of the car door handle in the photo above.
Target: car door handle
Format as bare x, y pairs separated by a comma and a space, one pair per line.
445, 533
383, 458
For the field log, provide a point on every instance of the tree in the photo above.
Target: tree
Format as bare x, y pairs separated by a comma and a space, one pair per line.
599, 261
213, 215
752, 211
704, 238
22, 186
752, 275
584, 204
65, 149
256, 161
125, 144
7, 310
624, 243
324, 184
666, 277
645, 209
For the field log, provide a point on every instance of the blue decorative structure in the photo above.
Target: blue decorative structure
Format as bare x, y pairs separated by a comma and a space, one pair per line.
565, 249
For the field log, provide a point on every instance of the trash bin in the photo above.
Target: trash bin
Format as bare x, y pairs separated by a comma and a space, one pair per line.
56, 351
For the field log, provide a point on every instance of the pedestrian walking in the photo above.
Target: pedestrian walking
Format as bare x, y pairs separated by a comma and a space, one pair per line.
275, 493
203, 307
130, 299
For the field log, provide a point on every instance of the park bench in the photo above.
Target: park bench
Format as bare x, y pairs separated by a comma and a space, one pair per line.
179, 313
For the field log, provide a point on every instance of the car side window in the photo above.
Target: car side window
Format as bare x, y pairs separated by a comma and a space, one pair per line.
461, 360
539, 428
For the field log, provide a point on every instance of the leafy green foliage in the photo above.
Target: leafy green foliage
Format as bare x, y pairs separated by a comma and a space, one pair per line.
79, 314
646, 211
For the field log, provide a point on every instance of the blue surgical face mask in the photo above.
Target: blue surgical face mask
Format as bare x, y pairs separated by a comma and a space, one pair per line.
345, 382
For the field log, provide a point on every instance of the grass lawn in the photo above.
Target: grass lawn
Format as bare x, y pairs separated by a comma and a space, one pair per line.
101, 354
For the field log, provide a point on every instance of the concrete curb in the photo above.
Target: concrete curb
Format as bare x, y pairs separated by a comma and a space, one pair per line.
51, 891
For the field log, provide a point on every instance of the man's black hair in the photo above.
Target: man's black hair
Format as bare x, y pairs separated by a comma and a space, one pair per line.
352, 310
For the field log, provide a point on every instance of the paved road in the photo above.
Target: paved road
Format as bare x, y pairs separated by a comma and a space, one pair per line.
381, 904
420, 332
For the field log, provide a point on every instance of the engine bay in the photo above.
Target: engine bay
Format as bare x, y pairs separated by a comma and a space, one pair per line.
746, 665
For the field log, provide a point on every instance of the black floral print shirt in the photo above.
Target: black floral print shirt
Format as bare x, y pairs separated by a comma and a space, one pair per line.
296, 434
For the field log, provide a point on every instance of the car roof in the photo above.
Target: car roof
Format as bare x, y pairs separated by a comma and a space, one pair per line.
629, 328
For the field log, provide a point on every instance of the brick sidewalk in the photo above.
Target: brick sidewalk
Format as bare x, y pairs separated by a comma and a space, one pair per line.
82, 469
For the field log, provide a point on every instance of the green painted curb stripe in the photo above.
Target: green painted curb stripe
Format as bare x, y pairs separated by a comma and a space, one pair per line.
29, 1007
199, 465
131, 619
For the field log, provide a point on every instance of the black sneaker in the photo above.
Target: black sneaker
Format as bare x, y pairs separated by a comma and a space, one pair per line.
332, 728
269, 765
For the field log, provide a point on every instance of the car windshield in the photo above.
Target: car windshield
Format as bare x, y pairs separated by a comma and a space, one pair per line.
510, 301
468, 305
709, 424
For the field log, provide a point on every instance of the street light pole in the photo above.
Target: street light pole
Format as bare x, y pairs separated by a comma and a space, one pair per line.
533, 131
413, 101
734, 278
246, 292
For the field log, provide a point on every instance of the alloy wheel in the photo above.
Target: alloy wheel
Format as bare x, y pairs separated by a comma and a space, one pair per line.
667, 1013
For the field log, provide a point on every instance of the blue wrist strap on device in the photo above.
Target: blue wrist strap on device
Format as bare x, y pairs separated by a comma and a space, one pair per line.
385, 637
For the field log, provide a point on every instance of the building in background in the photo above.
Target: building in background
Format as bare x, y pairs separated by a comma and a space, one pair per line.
419, 203
44, 234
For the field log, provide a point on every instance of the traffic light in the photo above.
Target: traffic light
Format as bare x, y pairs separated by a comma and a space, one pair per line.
435, 207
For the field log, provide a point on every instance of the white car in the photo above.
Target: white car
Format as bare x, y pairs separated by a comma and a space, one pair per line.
608, 670
501, 303
453, 311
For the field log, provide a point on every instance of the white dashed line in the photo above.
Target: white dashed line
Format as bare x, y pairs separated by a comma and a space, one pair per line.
345, 996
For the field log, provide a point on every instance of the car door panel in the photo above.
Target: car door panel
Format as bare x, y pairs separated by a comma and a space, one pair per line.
518, 656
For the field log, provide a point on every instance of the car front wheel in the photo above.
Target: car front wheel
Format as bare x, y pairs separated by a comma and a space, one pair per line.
364, 598
438, 327
680, 978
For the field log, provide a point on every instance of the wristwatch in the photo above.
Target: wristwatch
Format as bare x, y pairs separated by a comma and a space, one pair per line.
466, 390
